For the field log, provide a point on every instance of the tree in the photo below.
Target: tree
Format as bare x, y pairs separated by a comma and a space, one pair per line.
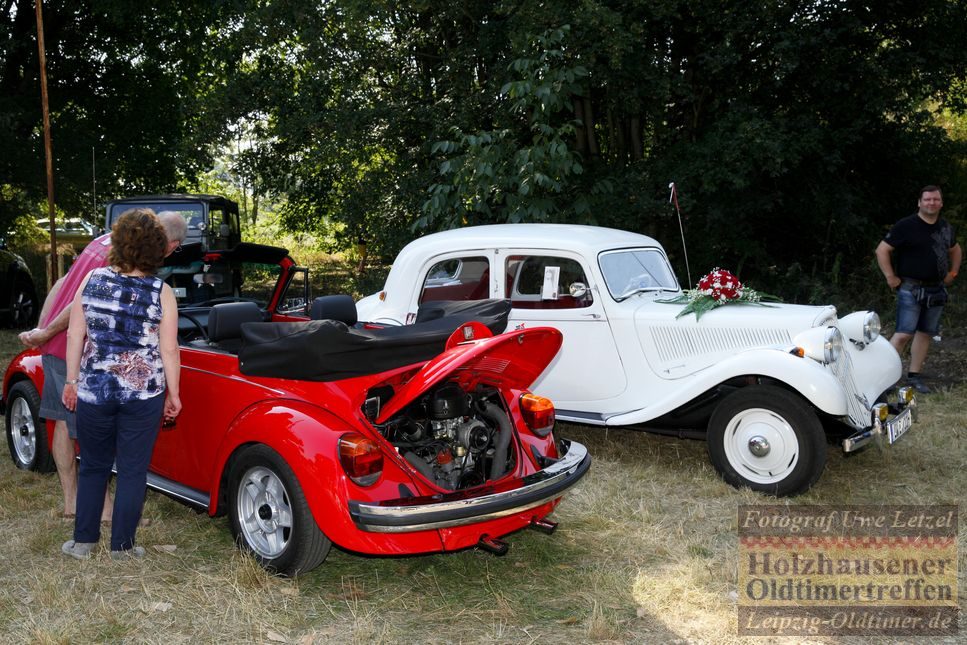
129, 85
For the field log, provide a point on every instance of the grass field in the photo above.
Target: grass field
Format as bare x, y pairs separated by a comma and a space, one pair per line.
646, 552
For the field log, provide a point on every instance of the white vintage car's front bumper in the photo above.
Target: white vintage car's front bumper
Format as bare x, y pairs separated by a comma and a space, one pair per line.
889, 422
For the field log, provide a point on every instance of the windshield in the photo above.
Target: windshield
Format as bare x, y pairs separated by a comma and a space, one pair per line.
630, 271
208, 283
194, 214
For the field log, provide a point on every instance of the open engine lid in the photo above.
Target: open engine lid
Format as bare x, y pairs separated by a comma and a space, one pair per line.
515, 358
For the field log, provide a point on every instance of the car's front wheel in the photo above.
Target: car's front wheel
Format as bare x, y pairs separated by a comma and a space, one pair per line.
26, 431
767, 438
269, 514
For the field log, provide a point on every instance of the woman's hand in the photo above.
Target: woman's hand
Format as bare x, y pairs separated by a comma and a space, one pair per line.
69, 397
172, 406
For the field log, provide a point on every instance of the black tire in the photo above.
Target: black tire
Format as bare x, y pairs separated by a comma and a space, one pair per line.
269, 514
24, 308
767, 438
26, 431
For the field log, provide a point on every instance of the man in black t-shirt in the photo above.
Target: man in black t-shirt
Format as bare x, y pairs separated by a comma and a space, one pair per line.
927, 256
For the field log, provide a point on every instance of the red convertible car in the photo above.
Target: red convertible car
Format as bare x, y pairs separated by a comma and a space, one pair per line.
310, 428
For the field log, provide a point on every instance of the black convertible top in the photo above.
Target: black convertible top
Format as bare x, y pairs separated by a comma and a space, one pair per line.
191, 252
328, 350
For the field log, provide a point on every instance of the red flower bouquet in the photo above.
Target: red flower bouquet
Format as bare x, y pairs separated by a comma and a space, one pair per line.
717, 288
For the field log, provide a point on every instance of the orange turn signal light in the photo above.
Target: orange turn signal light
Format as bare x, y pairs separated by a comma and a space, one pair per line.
538, 413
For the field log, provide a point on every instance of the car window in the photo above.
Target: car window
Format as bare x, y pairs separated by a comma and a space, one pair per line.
457, 279
201, 283
633, 270
294, 300
546, 282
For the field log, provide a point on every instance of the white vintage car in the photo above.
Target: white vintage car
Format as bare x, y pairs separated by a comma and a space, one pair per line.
766, 386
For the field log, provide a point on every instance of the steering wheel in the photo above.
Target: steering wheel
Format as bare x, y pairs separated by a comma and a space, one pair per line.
191, 318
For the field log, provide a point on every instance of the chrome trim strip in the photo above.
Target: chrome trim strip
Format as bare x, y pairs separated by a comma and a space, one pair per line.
537, 489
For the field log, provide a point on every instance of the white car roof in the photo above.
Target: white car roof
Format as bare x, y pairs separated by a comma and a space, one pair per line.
589, 240
585, 240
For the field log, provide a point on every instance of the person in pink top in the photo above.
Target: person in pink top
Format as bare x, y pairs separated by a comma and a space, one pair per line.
51, 338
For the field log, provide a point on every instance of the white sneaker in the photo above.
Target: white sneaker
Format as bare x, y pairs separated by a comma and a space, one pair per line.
79, 550
134, 552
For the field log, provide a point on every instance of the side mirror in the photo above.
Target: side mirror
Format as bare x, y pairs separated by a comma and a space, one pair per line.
578, 289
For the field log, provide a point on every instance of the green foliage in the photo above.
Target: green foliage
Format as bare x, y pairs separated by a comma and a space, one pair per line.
498, 176
129, 89
796, 132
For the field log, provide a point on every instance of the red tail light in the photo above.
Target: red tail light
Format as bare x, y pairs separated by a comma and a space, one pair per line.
361, 458
538, 414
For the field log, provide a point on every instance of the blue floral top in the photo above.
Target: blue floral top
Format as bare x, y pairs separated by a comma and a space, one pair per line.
121, 359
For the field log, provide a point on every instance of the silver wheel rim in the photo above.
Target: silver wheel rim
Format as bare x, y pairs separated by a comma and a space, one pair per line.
264, 512
23, 431
745, 437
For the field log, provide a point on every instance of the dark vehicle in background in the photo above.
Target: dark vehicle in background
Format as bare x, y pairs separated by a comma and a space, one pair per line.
212, 220
19, 305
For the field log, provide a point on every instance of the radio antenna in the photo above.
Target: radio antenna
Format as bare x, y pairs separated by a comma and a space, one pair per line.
673, 199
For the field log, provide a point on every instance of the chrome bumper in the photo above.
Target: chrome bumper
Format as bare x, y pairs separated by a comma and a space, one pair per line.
457, 509
884, 429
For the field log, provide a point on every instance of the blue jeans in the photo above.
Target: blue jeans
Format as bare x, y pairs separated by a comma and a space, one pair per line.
912, 317
107, 433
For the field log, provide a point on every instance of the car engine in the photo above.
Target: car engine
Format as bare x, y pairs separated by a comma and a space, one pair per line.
456, 439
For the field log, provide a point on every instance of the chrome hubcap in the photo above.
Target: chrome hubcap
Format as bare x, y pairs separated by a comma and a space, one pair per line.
759, 446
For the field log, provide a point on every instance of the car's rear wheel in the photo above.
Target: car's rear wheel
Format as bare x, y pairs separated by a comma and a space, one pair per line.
269, 514
768, 439
23, 304
26, 431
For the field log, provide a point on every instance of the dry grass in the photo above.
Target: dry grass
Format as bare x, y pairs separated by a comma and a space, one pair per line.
646, 552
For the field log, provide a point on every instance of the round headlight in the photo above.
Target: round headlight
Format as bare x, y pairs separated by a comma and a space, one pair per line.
832, 345
871, 327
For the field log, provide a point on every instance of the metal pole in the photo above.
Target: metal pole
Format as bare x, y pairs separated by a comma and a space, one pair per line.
47, 145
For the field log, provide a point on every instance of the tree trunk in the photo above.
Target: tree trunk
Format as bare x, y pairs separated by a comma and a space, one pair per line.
255, 205
589, 128
636, 147
580, 131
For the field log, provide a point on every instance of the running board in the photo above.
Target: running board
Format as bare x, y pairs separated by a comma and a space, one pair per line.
178, 491
586, 418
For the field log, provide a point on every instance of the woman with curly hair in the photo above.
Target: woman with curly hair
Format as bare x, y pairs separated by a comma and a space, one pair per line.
122, 374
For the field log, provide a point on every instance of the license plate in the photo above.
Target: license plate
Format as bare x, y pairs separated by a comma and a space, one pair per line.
898, 425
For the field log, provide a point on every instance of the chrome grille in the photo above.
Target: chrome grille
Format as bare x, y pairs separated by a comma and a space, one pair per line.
676, 343
857, 407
